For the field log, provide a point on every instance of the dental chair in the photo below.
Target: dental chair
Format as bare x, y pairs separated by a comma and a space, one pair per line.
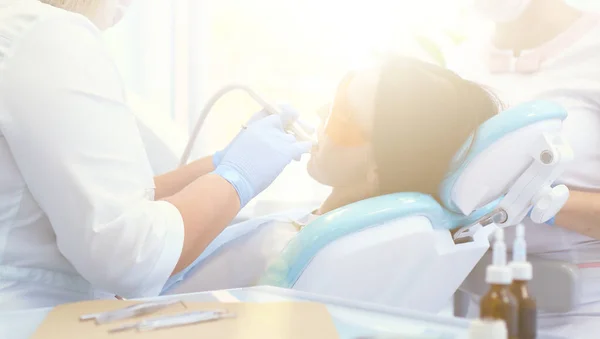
399, 250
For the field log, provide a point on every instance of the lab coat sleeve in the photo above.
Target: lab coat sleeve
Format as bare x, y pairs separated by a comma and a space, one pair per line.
78, 148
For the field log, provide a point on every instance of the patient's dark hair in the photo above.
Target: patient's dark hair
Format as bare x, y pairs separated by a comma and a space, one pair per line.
423, 115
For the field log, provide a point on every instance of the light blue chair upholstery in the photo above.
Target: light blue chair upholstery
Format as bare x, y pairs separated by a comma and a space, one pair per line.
355, 218
488, 134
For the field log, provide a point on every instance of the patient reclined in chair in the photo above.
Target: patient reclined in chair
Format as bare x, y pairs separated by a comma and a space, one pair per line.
392, 127
420, 129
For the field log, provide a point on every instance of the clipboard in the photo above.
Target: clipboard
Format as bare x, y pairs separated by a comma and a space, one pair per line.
280, 320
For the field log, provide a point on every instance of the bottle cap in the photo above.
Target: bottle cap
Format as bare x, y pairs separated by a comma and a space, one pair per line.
499, 275
521, 271
488, 329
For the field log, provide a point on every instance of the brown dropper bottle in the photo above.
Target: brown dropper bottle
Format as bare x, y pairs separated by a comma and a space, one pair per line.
522, 274
499, 303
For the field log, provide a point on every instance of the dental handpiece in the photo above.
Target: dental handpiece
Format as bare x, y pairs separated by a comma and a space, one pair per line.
297, 128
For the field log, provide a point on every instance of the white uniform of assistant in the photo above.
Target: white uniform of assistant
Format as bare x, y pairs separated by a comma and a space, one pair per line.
71, 227
565, 70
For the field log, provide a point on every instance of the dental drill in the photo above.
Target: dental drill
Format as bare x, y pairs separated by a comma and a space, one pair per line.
295, 128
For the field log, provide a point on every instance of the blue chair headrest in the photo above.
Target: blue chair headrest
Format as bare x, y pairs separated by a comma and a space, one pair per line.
489, 133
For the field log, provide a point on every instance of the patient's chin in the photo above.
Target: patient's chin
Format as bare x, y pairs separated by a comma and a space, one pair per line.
313, 170
329, 173
320, 173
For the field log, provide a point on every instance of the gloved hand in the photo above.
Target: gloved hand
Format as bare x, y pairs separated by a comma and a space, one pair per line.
288, 115
258, 155
549, 222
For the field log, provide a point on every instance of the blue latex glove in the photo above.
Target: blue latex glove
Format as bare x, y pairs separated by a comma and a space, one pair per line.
258, 155
288, 115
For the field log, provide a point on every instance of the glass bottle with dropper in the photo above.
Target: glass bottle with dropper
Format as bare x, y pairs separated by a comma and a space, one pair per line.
499, 303
522, 274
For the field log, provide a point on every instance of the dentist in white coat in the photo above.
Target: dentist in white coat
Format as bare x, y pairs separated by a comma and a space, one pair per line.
547, 49
81, 215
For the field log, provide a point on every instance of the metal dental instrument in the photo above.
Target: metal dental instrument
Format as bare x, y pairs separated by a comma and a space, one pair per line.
129, 311
297, 128
176, 320
497, 216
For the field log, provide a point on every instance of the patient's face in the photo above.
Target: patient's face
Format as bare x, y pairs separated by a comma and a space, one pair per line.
424, 115
343, 156
336, 165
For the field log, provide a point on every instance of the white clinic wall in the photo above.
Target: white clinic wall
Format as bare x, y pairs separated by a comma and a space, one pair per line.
143, 47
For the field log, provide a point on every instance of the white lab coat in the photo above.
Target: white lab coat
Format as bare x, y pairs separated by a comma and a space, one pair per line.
569, 73
77, 215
